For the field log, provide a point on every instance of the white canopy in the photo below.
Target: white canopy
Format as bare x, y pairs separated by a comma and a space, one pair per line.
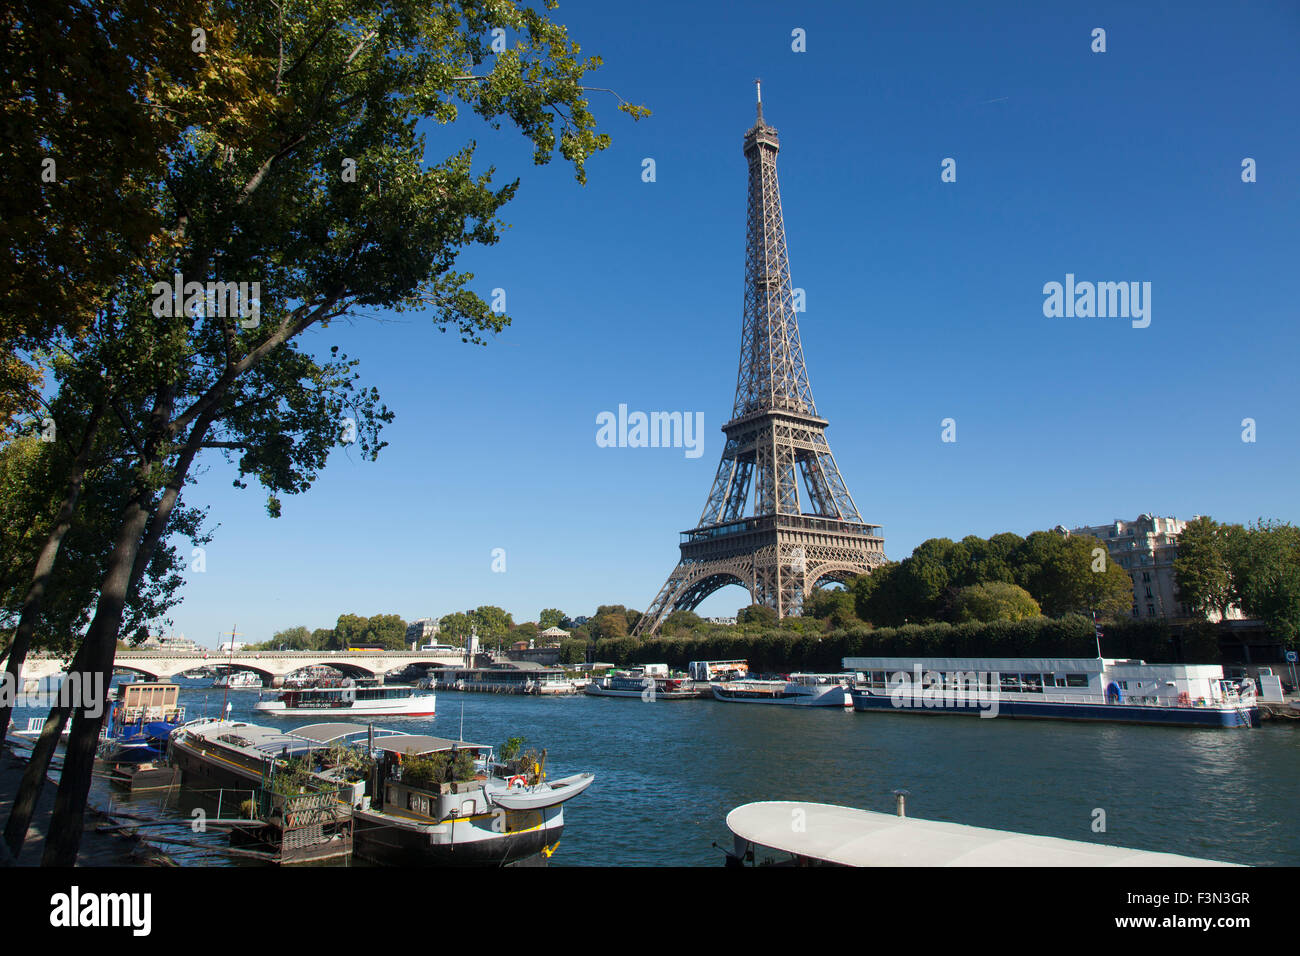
862, 838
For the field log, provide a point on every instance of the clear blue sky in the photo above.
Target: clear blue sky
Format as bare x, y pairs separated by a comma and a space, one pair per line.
924, 302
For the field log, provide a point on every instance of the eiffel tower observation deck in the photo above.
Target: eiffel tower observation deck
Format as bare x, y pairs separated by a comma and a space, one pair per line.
757, 529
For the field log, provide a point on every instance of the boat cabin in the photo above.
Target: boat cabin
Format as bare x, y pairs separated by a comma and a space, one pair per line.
145, 702
426, 778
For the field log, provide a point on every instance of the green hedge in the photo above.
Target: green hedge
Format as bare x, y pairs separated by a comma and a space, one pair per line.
781, 651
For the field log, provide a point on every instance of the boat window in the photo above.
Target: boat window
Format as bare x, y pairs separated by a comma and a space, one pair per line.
1076, 680
1033, 683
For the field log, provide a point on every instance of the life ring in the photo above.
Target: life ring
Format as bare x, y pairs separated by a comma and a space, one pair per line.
523, 781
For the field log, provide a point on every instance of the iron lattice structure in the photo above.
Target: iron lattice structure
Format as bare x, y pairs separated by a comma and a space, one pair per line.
776, 549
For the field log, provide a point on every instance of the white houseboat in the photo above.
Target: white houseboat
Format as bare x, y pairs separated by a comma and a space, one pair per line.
801, 690
1096, 689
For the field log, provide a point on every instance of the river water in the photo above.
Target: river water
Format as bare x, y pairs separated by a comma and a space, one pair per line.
667, 772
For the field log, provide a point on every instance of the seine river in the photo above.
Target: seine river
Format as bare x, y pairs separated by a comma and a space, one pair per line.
668, 772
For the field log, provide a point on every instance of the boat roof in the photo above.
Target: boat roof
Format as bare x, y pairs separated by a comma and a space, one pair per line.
854, 837
412, 744
325, 733
310, 736
267, 740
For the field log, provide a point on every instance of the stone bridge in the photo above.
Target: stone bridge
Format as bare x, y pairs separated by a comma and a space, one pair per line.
272, 666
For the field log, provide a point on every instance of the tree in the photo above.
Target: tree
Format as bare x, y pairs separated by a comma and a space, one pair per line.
680, 622
253, 190
573, 651
609, 621
923, 579
1032, 562
349, 631
835, 608
455, 628
1266, 575
1202, 569
1081, 578
292, 638
994, 601
386, 629
493, 623
759, 614
876, 596
551, 617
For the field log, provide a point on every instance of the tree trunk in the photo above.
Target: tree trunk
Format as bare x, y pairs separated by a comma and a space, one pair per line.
171, 492
33, 779
45, 565
100, 647
141, 530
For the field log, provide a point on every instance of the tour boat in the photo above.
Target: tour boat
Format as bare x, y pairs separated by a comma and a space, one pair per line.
493, 813
1092, 689
350, 699
651, 682
801, 690
541, 681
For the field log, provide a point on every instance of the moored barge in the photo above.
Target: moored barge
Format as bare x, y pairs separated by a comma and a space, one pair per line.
1084, 689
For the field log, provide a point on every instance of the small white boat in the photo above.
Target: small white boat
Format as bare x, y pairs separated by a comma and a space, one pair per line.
801, 690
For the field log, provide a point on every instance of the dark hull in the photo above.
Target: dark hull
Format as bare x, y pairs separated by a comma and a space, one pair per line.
212, 770
397, 846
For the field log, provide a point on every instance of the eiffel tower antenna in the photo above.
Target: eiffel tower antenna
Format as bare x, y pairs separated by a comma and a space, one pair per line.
756, 530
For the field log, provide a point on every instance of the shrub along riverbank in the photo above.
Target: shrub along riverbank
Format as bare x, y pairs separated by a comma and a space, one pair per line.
781, 651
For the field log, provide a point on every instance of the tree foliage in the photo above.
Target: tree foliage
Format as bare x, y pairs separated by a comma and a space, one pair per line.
994, 601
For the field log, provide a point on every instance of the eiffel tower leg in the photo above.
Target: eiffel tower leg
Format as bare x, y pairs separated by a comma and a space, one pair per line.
689, 584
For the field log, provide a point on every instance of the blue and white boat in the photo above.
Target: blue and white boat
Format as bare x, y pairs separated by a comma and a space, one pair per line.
1093, 689
141, 718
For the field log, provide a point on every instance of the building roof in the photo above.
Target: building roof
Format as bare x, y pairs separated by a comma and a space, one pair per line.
863, 838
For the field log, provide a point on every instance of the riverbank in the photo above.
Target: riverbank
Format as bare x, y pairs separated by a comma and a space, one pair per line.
97, 849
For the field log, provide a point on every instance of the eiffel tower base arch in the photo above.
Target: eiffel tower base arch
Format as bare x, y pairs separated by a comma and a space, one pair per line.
778, 576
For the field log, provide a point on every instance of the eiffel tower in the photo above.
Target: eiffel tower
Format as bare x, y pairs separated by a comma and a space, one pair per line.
778, 551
